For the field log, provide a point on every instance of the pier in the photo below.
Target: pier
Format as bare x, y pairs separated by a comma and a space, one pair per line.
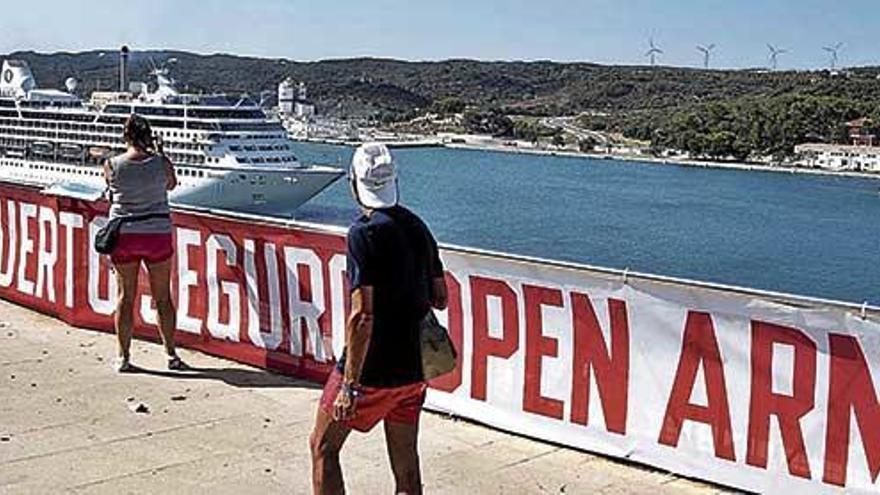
680, 375
72, 425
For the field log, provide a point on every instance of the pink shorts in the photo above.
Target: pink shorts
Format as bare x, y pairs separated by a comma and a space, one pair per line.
149, 248
398, 404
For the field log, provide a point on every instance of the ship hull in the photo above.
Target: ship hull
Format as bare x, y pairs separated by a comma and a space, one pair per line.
248, 190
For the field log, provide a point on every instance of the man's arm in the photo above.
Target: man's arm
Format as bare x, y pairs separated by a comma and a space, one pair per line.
357, 334
439, 296
358, 330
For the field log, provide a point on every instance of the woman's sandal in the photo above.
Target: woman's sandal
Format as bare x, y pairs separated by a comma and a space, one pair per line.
176, 364
123, 365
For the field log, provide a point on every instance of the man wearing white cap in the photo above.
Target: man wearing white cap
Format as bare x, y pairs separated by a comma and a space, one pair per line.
395, 277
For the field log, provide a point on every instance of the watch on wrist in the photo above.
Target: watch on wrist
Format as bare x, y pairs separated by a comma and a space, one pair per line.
351, 391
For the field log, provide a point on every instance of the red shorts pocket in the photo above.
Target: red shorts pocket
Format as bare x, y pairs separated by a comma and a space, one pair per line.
397, 404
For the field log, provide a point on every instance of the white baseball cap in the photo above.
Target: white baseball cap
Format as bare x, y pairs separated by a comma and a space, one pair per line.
375, 176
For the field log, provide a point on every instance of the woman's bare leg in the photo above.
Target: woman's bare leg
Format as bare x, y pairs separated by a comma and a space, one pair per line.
127, 279
160, 287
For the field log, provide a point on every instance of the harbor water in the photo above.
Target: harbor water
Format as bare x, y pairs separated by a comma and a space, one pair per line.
802, 234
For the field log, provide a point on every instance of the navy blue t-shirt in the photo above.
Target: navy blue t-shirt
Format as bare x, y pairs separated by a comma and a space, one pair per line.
392, 251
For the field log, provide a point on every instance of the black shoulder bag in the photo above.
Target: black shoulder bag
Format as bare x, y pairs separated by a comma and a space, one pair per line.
107, 237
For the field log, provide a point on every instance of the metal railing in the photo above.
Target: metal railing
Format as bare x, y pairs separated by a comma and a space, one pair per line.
863, 310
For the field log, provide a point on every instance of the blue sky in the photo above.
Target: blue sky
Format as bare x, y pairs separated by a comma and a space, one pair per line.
604, 31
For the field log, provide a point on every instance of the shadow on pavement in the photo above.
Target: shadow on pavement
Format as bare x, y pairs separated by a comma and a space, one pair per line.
236, 377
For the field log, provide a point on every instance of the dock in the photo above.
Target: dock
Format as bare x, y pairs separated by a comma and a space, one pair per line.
71, 424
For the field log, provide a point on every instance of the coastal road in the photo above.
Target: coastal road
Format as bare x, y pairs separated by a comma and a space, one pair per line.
566, 124
71, 424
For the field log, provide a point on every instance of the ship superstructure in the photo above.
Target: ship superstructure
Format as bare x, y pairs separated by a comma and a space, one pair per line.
228, 153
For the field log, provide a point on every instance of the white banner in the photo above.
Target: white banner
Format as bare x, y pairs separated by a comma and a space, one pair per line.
713, 385
724, 385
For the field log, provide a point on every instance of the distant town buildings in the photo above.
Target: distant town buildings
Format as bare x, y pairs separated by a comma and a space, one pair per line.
860, 131
293, 100
860, 156
840, 157
286, 97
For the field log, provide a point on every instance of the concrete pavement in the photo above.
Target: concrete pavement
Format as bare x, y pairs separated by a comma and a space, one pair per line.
70, 424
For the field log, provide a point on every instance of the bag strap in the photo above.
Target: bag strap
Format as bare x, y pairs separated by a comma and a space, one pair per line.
146, 216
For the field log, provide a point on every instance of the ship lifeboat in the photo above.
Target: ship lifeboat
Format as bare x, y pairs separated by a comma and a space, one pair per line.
14, 151
42, 148
98, 152
71, 150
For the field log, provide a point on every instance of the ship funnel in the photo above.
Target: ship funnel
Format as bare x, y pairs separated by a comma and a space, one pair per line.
123, 68
17, 80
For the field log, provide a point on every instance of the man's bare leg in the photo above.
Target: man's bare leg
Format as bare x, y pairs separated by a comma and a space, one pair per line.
326, 442
402, 440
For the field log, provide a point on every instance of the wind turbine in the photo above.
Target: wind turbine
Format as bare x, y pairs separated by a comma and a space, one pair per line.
832, 50
707, 52
653, 51
775, 52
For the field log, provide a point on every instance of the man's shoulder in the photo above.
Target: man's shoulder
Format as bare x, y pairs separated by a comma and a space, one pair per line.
366, 223
405, 217
368, 227
384, 221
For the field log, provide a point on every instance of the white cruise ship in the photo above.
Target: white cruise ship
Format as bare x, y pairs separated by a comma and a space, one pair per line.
228, 153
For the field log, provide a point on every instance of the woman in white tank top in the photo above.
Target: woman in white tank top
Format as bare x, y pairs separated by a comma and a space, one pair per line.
139, 181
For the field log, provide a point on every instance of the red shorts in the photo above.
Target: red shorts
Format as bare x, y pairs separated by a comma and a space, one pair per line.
150, 248
398, 404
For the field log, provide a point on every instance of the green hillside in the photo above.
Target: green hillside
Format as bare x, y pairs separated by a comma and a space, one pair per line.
688, 108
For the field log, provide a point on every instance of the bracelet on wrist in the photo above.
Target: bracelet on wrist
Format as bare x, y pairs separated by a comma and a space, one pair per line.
351, 390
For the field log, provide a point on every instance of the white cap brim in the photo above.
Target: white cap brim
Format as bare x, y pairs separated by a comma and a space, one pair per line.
383, 197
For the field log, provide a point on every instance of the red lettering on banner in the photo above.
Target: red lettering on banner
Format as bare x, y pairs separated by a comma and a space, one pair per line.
455, 324
850, 390
789, 409
11, 247
304, 278
538, 346
484, 345
611, 367
699, 345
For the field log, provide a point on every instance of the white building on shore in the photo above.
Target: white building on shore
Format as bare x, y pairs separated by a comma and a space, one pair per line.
286, 97
860, 156
293, 100
840, 157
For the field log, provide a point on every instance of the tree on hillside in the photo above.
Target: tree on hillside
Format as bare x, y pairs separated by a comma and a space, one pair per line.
447, 106
491, 122
754, 126
526, 131
587, 144
558, 139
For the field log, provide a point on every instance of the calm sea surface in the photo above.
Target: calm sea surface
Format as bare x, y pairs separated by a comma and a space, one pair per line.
800, 234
